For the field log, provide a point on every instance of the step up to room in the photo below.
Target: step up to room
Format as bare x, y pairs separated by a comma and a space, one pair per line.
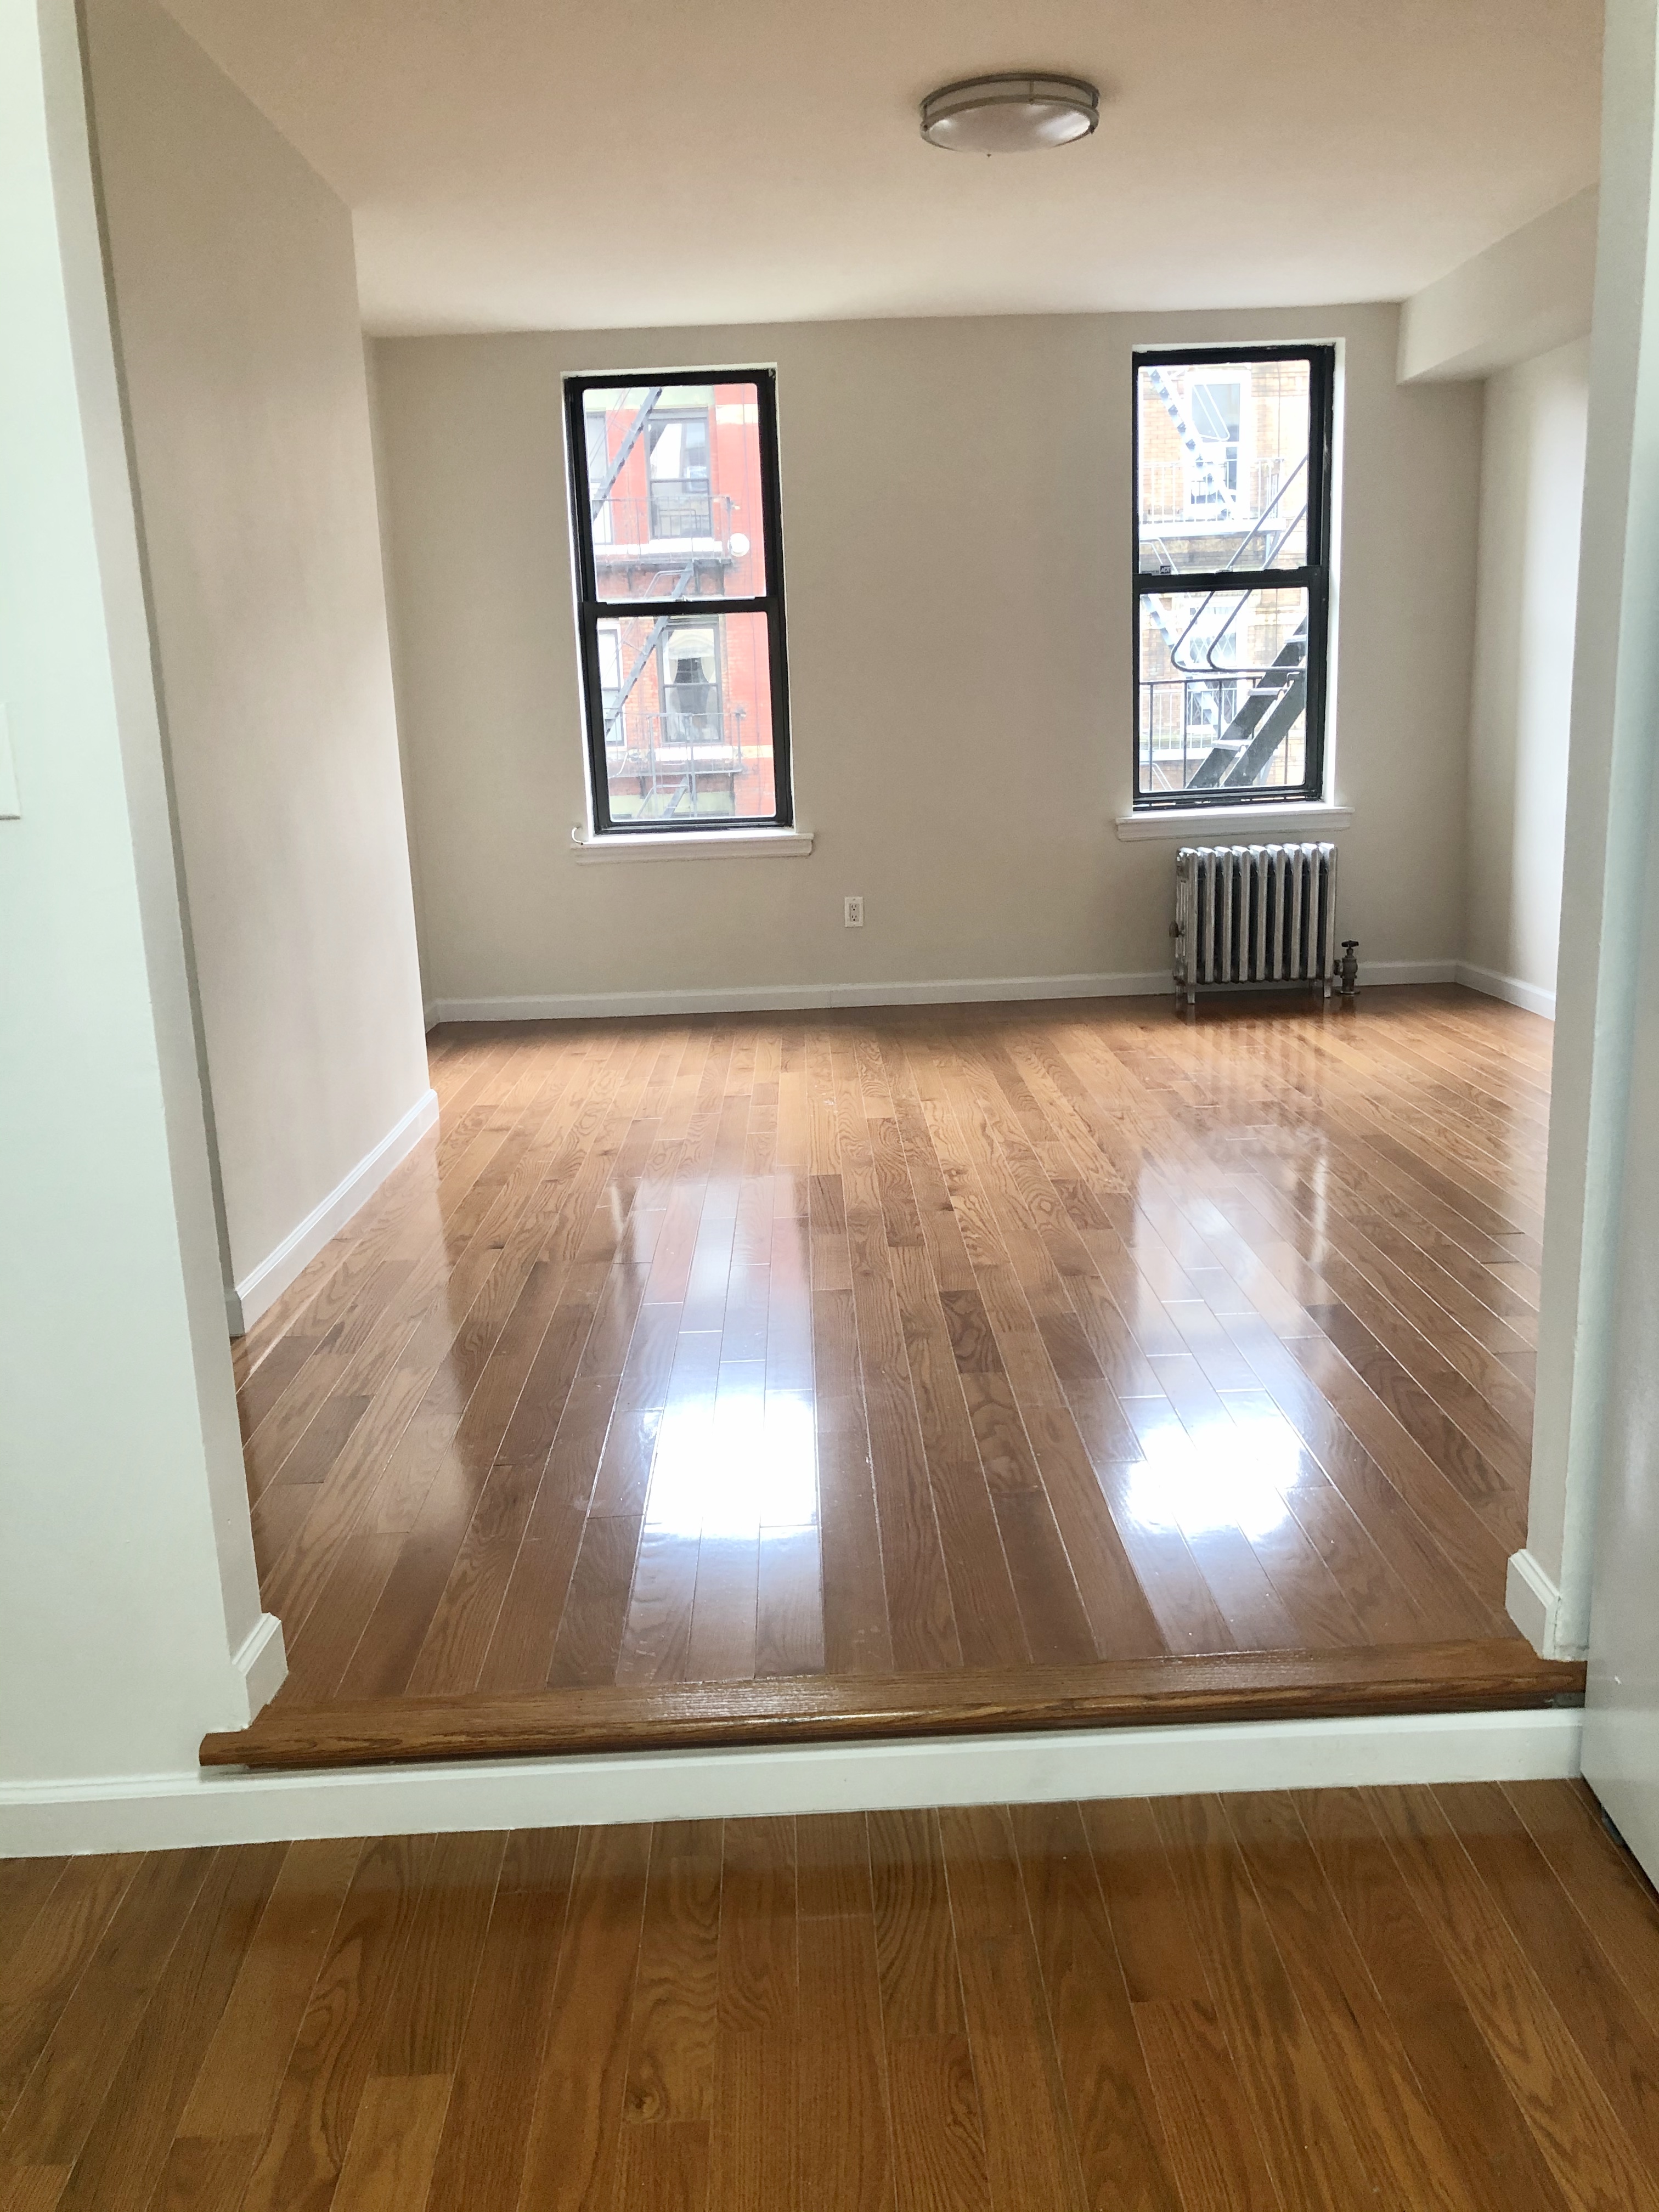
1495, 1675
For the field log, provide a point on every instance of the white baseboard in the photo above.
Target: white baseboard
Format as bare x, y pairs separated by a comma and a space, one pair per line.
263, 1285
1532, 1599
1494, 985
1383, 972
262, 1662
793, 998
221, 1805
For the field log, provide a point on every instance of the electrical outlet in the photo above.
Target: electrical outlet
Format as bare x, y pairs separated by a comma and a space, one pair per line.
852, 913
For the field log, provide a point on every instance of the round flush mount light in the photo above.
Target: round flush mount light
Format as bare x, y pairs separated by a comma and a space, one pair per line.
1013, 112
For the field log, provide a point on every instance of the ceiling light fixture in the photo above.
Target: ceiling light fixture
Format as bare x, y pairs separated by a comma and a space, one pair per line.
1013, 112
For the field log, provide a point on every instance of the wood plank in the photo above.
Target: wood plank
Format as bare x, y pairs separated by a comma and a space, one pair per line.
1215, 2147
426, 2015
1608, 1889
481, 2152
663, 2168
1549, 2075
127, 2135
1311, 2149
1441, 1678
1619, 2045
672, 2040
1031, 2155
234, 2093
49, 1959
846, 2141
1498, 2159
394, 2143
754, 2161
317, 2101
1397, 2136
81, 2056
1109, 2092
571, 2156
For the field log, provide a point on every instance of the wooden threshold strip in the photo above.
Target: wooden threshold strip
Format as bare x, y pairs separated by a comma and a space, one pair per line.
1439, 1678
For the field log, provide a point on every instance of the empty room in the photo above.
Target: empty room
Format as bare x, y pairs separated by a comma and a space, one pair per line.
825, 844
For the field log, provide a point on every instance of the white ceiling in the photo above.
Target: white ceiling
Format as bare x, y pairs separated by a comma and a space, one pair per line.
601, 163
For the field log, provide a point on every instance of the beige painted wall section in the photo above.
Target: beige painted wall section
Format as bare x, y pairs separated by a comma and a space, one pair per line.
1532, 490
236, 296
1526, 295
956, 533
130, 1616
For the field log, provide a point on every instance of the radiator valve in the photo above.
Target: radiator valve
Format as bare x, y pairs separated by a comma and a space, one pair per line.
1348, 968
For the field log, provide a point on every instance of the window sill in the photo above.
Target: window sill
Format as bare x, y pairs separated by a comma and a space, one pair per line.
692, 845
1310, 817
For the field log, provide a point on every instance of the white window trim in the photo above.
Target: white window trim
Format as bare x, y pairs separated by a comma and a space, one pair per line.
691, 845
1209, 824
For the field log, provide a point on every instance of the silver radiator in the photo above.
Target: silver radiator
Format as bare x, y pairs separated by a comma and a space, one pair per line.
1254, 914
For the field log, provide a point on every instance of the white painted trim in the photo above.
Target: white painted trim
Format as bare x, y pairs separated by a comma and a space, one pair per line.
1494, 985
795, 997
265, 1284
692, 845
1208, 825
1532, 1599
262, 1662
1384, 972
789, 998
168, 1811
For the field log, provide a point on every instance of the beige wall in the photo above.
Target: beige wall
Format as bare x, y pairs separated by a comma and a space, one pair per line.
956, 516
1532, 488
130, 1616
236, 297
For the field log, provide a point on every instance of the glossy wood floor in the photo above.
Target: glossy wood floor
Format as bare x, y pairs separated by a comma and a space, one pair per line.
938, 1339
1404, 1998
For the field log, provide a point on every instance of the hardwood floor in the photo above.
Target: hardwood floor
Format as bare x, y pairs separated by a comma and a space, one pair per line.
902, 1343
1426, 2000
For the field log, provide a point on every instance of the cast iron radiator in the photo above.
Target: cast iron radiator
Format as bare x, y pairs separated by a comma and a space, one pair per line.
1254, 914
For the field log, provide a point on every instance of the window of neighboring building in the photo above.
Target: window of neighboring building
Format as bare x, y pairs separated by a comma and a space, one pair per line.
674, 489
1232, 582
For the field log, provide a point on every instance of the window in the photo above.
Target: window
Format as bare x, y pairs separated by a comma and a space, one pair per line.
674, 492
1232, 573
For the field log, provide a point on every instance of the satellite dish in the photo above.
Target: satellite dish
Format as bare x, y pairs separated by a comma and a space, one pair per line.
737, 545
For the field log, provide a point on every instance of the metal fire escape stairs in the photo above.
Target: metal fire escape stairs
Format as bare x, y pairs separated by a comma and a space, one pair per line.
682, 584
1269, 711
1203, 467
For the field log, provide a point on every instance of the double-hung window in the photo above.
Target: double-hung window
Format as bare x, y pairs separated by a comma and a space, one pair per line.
679, 565
1233, 463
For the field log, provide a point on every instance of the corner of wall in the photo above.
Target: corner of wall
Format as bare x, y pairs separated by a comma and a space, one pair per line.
1533, 1602
262, 1662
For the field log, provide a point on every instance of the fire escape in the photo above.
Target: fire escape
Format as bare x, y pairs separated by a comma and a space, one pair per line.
663, 545
1246, 712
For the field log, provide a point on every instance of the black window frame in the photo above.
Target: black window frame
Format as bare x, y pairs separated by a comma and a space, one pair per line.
1313, 575
592, 609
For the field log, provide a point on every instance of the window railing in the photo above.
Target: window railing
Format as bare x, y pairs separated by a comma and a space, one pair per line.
1183, 719
1173, 492
642, 736
625, 519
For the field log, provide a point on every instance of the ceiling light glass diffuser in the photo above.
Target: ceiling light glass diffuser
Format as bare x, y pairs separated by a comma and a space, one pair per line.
1014, 112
